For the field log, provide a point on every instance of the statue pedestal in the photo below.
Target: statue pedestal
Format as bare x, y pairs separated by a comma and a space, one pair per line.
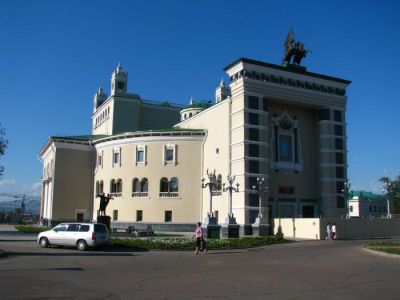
230, 230
106, 220
212, 231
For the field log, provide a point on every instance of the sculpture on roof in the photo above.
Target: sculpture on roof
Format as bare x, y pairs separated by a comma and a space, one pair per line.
293, 50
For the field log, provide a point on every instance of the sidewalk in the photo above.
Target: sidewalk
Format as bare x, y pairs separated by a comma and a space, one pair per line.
8, 232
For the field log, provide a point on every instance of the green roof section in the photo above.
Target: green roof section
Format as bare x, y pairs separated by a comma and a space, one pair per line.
366, 195
203, 105
81, 137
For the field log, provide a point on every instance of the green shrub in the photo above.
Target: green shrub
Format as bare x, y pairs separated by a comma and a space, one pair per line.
30, 229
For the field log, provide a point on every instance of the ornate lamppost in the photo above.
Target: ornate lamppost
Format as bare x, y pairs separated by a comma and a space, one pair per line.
387, 191
230, 188
211, 184
258, 189
345, 191
260, 222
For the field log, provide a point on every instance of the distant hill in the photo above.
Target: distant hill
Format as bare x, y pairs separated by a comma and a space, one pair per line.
10, 205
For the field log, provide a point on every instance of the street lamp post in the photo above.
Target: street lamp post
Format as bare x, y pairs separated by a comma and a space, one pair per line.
258, 189
345, 191
387, 190
231, 178
211, 184
260, 222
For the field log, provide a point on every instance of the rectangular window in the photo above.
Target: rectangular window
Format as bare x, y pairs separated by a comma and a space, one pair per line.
337, 115
252, 102
285, 148
169, 155
339, 144
116, 158
115, 215
252, 182
253, 150
140, 156
265, 104
324, 114
253, 134
252, 119
99, 160
254, 166
339, 172
168, 216
351, 208
339, 186
253, 200
287, 190
139, 215
339, 158
339, 130
340, 202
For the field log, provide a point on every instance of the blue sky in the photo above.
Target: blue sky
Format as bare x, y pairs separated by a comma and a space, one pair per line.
55, 54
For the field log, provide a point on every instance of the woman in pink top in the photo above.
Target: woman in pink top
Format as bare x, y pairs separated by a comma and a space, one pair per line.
199, 237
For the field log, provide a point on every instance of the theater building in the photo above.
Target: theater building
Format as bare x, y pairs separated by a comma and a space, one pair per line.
280, 123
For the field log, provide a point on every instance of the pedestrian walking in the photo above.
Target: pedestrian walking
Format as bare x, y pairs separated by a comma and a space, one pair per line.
200, 242
328, 232
333, 231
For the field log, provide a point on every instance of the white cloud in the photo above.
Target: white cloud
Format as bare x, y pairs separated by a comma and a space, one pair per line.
36, 188
7, 182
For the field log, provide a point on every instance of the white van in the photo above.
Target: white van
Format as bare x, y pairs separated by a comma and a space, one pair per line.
79, 235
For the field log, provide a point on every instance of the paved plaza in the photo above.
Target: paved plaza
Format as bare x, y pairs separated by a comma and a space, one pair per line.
299, 270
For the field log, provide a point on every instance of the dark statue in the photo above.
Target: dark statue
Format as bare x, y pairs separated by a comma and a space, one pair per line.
104, 200
293, 50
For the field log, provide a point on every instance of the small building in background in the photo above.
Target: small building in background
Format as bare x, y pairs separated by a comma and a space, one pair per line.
364, 204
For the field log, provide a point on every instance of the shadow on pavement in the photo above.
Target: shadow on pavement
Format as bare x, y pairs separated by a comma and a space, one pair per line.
60, 254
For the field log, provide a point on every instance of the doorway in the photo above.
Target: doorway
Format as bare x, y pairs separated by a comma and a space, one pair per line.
79, 217
308, 211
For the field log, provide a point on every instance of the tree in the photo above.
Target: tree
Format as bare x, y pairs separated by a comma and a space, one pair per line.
3, 147
392, 190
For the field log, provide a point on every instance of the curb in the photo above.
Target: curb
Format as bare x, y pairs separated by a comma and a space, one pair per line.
381, 253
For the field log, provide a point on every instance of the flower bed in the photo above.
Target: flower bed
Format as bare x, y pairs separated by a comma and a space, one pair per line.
189, 244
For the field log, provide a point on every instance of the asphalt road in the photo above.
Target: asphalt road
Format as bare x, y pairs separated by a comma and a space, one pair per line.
300, 270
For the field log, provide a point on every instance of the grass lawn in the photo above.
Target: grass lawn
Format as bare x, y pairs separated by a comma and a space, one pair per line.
388, 247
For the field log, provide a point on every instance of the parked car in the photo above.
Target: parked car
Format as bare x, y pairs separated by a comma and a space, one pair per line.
79, 235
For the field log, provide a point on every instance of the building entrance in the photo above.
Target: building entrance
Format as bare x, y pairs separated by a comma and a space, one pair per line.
308, 211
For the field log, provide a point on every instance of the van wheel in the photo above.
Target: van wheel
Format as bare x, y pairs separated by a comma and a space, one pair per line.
44, 242
81, 245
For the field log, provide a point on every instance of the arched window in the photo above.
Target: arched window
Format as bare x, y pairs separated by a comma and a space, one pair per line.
190, 115
119, 186
113, 186
219, 182
101, 186
169, 189
144, 185
164, 185
97, 187
173, 185
135, 185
